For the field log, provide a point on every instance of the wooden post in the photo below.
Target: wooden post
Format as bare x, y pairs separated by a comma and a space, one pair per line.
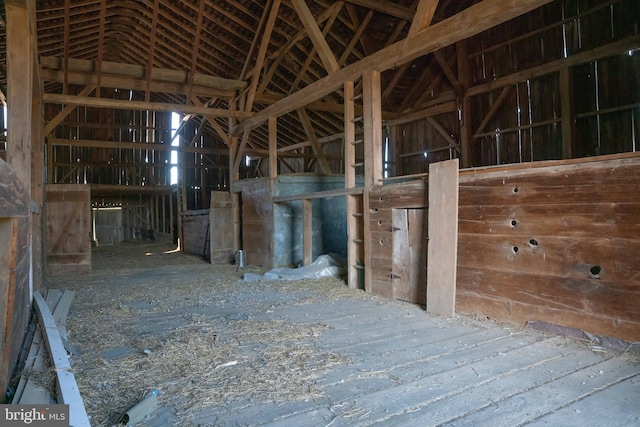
443, 237
372, 119
273, 147
466, 134
20, 57
233, 177
566, 112
307, 208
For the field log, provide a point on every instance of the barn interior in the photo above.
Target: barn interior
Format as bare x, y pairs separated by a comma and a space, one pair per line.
469, 160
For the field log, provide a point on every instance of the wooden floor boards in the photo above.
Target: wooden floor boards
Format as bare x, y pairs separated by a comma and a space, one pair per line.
408, 368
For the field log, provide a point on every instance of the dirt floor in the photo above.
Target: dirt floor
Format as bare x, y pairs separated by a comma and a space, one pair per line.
222, 352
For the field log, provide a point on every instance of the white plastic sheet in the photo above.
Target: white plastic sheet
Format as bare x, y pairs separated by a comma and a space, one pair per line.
329, 265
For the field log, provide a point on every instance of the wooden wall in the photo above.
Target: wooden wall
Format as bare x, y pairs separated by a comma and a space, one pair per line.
68, 228
15, 271
557, 244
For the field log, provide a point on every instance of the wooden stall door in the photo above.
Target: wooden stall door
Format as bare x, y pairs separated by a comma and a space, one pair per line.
410, 255
68, 228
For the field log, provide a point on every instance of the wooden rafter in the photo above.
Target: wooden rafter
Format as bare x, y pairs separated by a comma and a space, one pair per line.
100, 47
307, 64
196, 49
423, 17
273, 14
49, 127
471, 21
308, 127
152, 49
494, 108
386, 7
316, 36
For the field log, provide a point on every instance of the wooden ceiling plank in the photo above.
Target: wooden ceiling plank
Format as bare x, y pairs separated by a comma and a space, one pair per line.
386, 7
316, 36
49, 127
423, 17
53, 98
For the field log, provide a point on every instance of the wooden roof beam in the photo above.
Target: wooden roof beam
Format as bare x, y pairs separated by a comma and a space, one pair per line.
423, 17
387, 8
139, 72
53, 98
316, 36
471, 21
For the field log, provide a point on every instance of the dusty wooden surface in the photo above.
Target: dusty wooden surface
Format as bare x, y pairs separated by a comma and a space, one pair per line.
316, 353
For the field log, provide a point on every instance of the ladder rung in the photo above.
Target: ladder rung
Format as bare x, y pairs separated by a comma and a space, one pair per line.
358, 241
357, 141
357, 119
357, 214
358, 96
355, 165
359, 267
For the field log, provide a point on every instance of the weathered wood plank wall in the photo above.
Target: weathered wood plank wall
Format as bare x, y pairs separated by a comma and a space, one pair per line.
556, 244
15, 291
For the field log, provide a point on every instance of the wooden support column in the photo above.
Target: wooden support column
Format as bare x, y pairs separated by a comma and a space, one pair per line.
443, 237
273, 147
20, 57
372, 118
466, 135
233, 177
566, 96
307, 241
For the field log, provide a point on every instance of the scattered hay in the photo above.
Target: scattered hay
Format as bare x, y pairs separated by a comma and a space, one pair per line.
200, 360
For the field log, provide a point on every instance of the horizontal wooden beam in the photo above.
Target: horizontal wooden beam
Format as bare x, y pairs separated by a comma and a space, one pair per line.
132, 83
105, 189
471, 21
386, 7
54, 98
136, 146
139, 72
319, 194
